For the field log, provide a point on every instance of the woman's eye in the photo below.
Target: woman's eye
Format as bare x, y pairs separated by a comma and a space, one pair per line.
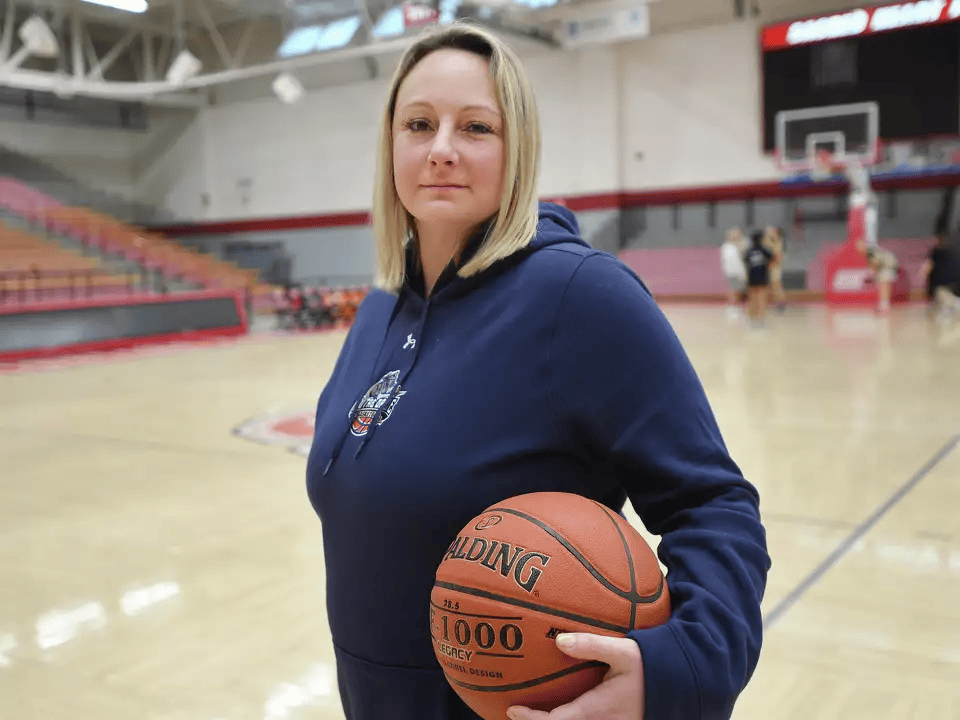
478, 127
416, 125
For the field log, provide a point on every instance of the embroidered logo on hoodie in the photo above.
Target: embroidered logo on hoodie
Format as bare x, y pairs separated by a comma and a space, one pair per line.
377, 404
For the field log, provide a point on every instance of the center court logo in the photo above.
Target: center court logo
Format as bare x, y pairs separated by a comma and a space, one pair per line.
291, 430
294, 430
850, 280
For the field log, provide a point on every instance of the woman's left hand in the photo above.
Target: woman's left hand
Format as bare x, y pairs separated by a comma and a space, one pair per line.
618, 697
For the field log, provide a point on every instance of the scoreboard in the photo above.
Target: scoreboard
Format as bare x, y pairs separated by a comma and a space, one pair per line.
904, 57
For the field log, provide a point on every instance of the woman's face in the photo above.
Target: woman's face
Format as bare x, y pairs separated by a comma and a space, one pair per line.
448, 141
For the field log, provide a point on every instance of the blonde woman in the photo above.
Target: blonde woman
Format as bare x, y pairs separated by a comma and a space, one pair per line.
883, 264
773, 239
499, 356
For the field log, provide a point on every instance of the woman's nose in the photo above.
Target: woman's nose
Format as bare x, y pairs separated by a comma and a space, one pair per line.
443, 151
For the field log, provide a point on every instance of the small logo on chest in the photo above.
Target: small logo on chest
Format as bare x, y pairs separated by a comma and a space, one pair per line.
381, 399
410, 343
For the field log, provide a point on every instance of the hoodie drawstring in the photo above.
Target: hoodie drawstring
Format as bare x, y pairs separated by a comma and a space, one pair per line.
397, 386
343, 438
394, 390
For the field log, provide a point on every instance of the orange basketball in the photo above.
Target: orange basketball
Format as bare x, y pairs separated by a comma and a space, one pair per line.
524, 571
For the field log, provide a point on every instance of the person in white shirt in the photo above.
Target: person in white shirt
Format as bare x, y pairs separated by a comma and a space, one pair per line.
862, 222
731, 258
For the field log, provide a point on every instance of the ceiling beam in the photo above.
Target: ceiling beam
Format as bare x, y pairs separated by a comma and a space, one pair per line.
13, 62
243, 45
163, 59
214, 34
155, 93
77, 34
7, 39
91, 51
149, 71
107, 60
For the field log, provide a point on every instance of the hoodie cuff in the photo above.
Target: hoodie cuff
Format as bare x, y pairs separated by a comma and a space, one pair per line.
671, 687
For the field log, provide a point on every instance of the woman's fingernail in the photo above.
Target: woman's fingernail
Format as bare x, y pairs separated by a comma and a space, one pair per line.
565, 641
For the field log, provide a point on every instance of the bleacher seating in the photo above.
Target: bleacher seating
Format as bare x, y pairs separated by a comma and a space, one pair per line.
154, 251
150, 250
34, 268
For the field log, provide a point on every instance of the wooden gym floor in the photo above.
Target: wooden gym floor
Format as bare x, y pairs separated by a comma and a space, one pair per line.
158, 564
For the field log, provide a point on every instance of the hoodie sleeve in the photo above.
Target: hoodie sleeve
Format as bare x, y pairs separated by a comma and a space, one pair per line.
623, 389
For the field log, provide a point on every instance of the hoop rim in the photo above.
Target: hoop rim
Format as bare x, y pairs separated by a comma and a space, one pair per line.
808, 166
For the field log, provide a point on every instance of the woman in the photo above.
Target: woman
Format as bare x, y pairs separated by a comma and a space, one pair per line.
775, 244
499, 356
757, 258
731, 260
883, 265
941, 276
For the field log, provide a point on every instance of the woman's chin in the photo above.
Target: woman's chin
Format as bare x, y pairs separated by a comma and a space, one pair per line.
443, 212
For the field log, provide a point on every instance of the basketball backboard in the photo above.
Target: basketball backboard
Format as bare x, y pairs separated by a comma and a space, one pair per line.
850, 133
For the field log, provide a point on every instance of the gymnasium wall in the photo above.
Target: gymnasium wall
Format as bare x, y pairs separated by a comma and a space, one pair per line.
691, 122
674, 110
265, 159
691, 109
68, 159
330, 256
103, 158
639, 115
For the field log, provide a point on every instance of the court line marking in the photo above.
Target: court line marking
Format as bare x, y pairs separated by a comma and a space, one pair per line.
131, 443
856, 535
101, 358
810, 520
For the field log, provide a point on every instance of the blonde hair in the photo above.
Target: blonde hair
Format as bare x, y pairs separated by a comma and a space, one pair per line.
515, 223
735, 235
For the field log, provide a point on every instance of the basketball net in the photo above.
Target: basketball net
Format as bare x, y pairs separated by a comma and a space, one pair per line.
824, 167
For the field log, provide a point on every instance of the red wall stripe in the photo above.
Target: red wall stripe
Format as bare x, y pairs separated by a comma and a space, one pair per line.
773, 189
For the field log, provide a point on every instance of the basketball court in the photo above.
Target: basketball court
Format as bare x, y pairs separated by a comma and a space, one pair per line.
161, 560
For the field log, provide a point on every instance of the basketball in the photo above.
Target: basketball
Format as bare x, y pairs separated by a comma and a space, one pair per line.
524, 571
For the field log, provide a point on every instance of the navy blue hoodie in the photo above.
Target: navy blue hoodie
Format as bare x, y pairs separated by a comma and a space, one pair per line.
553, 370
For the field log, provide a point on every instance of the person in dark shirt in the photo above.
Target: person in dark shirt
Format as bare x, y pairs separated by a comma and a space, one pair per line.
757, 258
941, 274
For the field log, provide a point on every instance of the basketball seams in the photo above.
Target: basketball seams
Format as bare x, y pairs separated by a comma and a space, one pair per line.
633, 596
585, 583
526, 683
568, 546
626, 549
537, 607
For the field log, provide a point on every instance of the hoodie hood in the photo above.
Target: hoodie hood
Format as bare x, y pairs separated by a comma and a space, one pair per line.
555, 225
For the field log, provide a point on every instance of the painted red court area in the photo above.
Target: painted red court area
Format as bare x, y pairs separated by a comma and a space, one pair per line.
291, 430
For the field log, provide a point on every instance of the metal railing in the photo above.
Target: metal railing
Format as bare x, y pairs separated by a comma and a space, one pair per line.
39, 284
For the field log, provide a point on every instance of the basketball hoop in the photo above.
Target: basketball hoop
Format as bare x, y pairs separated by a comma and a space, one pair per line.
820, 144
823, 166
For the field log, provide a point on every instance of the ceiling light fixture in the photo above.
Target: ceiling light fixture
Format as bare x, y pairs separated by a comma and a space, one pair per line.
134, 6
